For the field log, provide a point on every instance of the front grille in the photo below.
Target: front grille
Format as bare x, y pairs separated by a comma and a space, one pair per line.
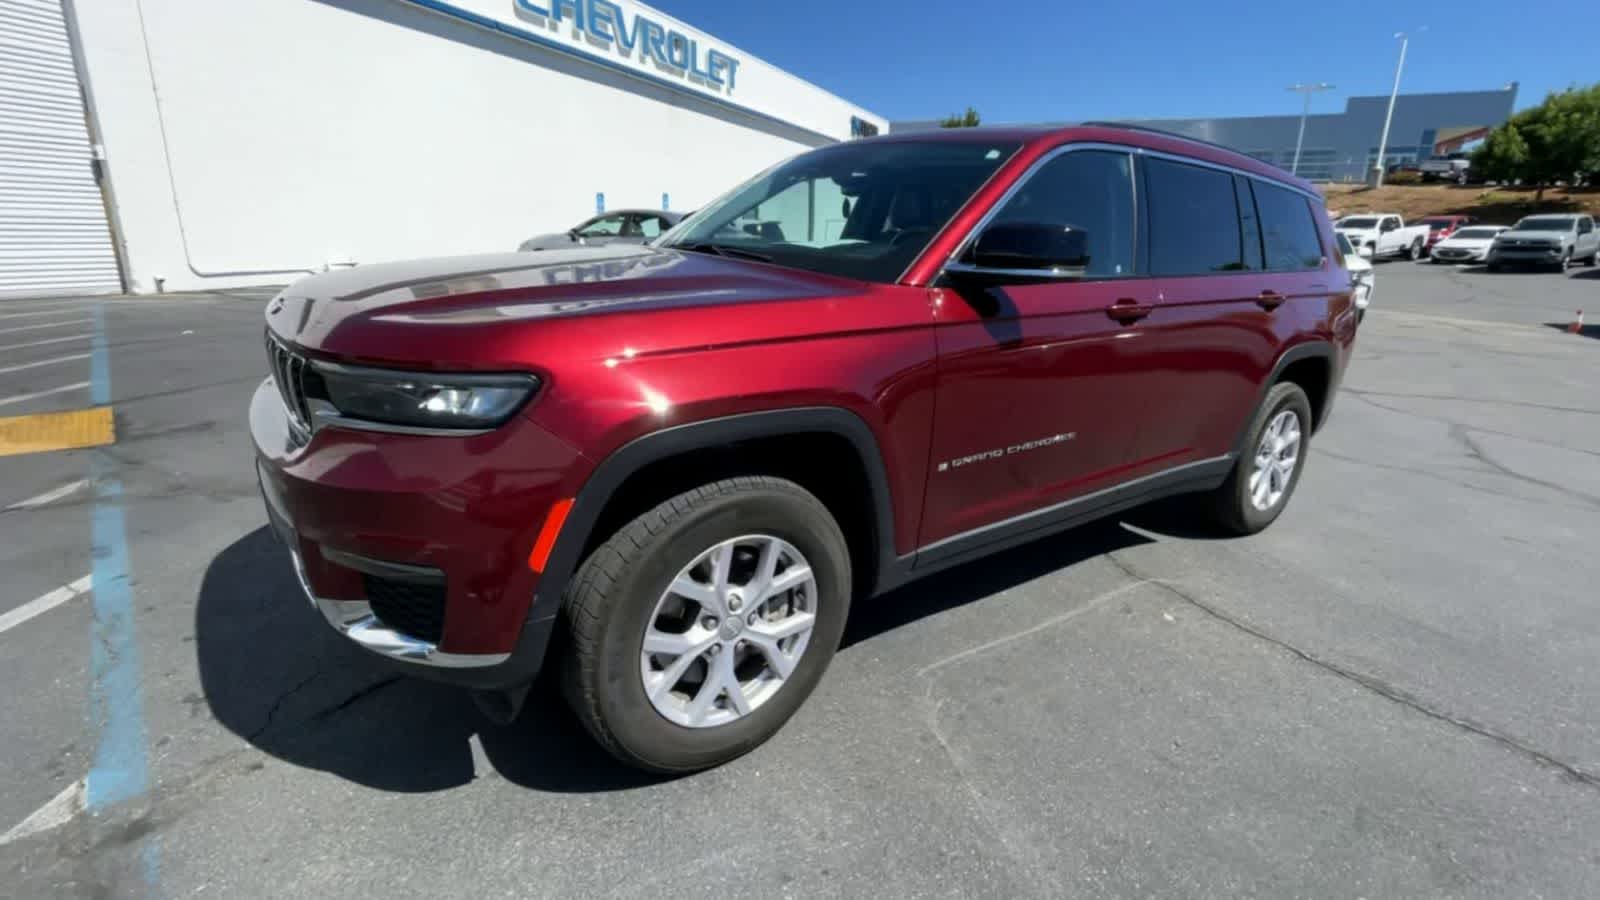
411, 608
289, 372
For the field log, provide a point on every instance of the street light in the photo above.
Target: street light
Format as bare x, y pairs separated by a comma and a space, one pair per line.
1307, 90
1383, 142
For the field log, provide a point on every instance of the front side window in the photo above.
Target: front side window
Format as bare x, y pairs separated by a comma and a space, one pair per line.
1089, 191
860, 210
1194, 220
1288, 232
604, 226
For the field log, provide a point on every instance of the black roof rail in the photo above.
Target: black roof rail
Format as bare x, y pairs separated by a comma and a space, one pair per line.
1146, 129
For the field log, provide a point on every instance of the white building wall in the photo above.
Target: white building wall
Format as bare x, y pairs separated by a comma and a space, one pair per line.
251, 139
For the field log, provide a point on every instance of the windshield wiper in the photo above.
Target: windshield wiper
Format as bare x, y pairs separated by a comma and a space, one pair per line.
722, 250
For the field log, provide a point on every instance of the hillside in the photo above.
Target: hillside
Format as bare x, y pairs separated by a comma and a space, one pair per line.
1497, 205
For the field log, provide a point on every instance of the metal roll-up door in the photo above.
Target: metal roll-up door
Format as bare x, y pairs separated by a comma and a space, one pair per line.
53, 233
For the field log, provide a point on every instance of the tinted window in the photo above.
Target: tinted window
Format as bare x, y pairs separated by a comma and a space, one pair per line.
1358, 222
1288, 231
1194, 220
1544, 223
1090, 191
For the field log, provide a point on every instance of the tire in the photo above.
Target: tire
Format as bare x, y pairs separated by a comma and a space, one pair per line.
1231, 505
615, 596
1493, 267
1414, 251
1592, 258
1565, 263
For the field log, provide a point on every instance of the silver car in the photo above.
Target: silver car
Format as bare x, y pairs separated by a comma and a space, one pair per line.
1554, 241
623, 226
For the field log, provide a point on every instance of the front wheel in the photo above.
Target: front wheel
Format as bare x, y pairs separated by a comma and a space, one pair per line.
700, 627
1565, 262
1265, 475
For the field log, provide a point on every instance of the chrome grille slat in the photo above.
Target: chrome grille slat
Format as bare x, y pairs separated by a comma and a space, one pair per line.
288, 372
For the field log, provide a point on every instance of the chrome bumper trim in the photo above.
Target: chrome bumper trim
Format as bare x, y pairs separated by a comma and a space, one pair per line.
354, 620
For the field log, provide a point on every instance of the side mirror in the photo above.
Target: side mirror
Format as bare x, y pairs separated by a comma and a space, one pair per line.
1024, 248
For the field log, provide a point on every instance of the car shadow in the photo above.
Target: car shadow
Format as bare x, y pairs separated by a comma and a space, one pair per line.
1591, 273
1588, 331
273, 673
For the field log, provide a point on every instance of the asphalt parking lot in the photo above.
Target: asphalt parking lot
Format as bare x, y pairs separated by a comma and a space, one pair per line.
1390, 693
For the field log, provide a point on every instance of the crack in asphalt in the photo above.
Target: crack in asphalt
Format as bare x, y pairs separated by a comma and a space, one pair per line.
1410, 470
1458, 399
356, 697
1446, 420
1476, 451
272, 711
1371, 684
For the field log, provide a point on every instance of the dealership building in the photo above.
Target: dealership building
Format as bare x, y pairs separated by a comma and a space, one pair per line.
161, 145
1343, 146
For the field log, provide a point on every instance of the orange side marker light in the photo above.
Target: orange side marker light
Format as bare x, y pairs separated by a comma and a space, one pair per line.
547, 535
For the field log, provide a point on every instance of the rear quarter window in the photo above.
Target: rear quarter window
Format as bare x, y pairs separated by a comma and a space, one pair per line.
1288, 230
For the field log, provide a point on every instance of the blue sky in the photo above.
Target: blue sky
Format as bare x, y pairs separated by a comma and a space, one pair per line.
1065, 60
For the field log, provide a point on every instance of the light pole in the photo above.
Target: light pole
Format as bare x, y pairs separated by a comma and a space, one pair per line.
1383, 142
1307, 90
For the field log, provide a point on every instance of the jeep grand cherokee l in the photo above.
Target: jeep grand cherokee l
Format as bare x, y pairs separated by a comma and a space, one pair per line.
680, 464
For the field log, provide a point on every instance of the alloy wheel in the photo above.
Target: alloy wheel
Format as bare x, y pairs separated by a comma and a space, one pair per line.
1276, 457
728, 631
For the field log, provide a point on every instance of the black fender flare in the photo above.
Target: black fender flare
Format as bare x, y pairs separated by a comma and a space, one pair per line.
1314, 349
677, 440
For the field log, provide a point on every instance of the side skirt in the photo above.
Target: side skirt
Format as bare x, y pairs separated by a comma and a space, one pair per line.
1202, 475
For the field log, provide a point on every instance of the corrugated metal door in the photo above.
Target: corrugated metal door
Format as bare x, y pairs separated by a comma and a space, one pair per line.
53, 233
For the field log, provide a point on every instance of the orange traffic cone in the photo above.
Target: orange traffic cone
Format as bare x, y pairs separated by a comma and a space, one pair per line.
1577, 324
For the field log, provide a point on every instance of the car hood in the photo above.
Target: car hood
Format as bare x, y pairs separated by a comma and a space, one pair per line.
466, 308
1469, 243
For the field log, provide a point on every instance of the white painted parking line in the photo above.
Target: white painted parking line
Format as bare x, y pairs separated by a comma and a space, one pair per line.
46, 325
50, 496
24, 398
61, 809
60, 340
38, 606
56, 360
50, 311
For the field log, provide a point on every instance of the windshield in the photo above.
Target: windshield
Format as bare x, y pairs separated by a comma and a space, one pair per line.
860, 210
1476, 233
1358, 222
1544, 223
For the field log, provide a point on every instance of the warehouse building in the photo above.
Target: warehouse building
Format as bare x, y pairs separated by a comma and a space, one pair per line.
161, 145
1343, 146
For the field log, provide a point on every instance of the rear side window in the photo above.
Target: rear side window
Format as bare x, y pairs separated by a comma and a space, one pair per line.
1194, 220
1289, 233
1091, 191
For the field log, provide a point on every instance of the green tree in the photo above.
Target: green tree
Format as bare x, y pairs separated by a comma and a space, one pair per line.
969, 119
1502, 156
1558, 140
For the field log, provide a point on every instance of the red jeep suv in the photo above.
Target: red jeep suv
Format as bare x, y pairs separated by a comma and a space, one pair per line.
675, 467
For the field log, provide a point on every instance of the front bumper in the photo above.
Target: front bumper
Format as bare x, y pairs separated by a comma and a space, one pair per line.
360, 511
1526, 255
1446, 254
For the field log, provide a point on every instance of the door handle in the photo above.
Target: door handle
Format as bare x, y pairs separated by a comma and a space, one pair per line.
1270, 300
1128, 310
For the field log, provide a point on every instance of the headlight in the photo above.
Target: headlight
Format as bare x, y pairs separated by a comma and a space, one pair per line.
417, 399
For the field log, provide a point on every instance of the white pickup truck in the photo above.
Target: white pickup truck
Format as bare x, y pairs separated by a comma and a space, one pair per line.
1376, 235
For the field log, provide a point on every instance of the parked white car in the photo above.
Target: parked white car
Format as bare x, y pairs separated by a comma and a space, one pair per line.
1363, 280
1467, 245
1376, 235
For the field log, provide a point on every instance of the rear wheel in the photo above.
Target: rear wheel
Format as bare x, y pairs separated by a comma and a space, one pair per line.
701, 626
1414, 252
1265, 475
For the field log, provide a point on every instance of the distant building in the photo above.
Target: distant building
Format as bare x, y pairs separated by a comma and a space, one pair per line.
1344, 146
